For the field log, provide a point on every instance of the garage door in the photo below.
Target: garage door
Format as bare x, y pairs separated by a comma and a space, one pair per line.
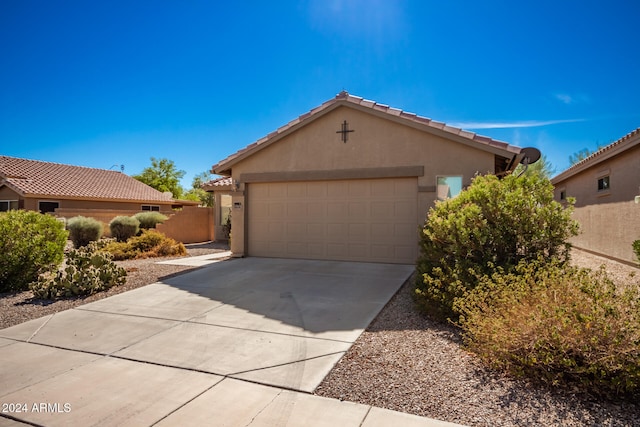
372, 220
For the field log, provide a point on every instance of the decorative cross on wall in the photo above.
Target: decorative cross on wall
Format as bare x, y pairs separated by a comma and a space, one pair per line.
345, 131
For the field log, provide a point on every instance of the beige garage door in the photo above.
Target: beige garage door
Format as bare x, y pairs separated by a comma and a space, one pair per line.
372, 220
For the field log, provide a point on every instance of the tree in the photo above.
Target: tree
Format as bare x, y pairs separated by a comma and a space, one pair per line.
542, 168
492, 224
579, 156
163, 176
197, 193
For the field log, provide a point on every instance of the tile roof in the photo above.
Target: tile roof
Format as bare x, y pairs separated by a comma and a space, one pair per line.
344, 98
37, 178
627, 141
222, 183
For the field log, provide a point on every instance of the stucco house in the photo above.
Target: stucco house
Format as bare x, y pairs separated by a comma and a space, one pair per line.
350, 180
605, 186
53, 187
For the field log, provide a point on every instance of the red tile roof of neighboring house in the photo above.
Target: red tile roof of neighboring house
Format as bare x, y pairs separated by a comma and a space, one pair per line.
344, 98
45, 179
629, 140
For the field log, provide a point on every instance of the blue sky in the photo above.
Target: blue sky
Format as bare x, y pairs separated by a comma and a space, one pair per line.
97, 83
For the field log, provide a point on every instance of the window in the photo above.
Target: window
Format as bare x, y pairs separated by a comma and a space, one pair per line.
563, 195
48, 207
603, 183
154, 208
6, 205
448, 187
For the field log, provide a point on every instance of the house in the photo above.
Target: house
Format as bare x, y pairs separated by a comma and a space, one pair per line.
58, 188
605, 186
350, 180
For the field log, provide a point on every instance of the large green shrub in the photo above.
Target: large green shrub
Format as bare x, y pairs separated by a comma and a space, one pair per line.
84, 230
636, 249
150, 219
149, 244
124, 227
495, 222
87, 271
558, 324
29, 243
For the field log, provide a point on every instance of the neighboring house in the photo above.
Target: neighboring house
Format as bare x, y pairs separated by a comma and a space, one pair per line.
350, 180
605, 186
52, 187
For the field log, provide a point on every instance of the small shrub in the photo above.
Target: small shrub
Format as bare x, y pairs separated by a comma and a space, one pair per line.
124, 227
29, 243
636, 249
83, 230
86, 272
561, 325
149, 244
150, 219
495, 222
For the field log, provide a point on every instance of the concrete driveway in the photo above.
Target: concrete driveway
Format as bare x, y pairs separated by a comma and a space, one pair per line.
233, 343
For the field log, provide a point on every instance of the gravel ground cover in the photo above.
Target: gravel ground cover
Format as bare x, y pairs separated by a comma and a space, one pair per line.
406, 362
18, 307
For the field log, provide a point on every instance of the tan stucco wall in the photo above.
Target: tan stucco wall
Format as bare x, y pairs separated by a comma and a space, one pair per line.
32, 204
609, 229
8, 194
190, 225
375, 143
624, 173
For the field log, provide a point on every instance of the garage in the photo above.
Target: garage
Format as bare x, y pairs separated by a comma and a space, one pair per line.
373, 220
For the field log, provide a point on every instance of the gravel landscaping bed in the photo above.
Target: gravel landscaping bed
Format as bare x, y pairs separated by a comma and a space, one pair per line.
406, 362
18, 307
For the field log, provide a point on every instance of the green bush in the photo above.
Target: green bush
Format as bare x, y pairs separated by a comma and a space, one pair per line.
150, 219
83, 230
495, 222
29, 243
87, 271
558, 324
636, 249
124, 227
149, 244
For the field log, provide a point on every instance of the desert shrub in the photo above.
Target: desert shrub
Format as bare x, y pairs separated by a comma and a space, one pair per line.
149, 244
494, 222
83, 230
150, 219
124, 227
636, 249
29, 243
86, 272
558, 324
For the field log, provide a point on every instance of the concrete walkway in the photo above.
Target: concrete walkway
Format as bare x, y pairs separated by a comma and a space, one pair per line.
240, 342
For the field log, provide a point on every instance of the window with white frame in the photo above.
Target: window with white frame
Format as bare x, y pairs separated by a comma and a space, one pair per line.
154, 208
7, 205
448, 187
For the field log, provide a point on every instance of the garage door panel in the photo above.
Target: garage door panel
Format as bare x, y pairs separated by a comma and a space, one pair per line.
361, 220
358, 211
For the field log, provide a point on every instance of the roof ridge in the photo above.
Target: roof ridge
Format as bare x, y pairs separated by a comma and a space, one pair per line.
58, 164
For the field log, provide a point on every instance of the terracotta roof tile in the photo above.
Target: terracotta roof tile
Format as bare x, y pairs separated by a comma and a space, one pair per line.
345, 97
59, 180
